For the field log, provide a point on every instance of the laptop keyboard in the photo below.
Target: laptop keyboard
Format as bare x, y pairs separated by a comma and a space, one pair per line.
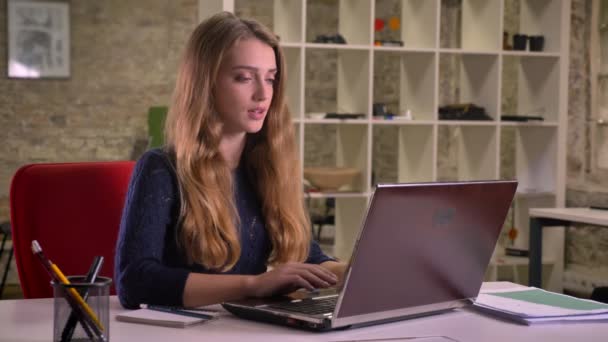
318, 306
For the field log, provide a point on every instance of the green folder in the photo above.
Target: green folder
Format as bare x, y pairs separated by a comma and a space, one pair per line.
538, 296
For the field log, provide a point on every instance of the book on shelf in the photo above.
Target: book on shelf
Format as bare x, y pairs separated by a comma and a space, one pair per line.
530, 305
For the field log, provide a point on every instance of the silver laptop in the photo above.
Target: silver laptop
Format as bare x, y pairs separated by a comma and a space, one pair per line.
423, 249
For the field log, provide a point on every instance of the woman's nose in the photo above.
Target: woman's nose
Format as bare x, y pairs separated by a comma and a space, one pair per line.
261, 91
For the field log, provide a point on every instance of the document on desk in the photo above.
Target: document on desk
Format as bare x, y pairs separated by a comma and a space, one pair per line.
530, 305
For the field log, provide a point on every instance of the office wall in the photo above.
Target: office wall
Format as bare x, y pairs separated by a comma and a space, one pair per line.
586, 246
124, 55
123, 59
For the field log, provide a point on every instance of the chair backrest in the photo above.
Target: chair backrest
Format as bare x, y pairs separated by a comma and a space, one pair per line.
73, 210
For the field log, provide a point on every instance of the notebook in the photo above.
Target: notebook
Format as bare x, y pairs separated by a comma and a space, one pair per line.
162, 318
423, 248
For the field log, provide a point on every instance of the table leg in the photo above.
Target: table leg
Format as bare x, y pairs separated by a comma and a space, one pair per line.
537, 224
535, 252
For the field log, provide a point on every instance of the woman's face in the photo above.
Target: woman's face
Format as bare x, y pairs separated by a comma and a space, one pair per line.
244, 86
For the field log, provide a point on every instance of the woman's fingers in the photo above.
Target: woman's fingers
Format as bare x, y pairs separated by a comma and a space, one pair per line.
324, 274
292, 276
320, 271
312, 274
302, 282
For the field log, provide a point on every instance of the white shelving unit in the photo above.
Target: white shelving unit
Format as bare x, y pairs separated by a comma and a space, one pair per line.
478, 60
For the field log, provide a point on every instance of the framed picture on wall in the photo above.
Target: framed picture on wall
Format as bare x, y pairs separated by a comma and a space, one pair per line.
38, 39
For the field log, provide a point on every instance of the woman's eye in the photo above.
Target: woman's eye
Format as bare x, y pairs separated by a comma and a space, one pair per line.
270, 80
243, 79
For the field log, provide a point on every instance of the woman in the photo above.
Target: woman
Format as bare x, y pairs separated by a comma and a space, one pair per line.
205, 215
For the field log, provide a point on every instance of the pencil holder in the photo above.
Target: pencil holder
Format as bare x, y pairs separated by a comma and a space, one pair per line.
81, 310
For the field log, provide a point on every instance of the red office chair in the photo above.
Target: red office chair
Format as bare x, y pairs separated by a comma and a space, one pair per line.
73, 210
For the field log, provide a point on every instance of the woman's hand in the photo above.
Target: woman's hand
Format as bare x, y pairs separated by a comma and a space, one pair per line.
336, 267
289, 277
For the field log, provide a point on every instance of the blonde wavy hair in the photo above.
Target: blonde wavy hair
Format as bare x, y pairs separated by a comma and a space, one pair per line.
209, 220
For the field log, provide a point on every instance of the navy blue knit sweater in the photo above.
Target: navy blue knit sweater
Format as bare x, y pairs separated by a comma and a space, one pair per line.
149, 266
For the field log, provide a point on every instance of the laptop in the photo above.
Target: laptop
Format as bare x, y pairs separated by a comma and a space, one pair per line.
423, 249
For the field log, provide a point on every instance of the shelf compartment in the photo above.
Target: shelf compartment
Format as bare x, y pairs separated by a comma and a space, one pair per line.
530, 86
469, 78
337, 81
415, 75
294, 71
531, 54
507, 152
528, 124
469, 52
416, 155
418, 22
336, 121
535, 159
413, 158
537, 17
480, 28
349, 18
467, 153
340, 146
600, 148
472, 26
337, 46
349, 214
467, 123
207, 8
286, 19
522, 205
401, 122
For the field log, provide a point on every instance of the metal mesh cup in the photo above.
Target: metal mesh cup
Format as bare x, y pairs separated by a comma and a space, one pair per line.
68, 322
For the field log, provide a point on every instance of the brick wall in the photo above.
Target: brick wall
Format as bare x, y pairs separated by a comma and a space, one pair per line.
123, 60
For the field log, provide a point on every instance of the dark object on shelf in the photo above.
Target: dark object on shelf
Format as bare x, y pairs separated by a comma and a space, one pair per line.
379, 109
505, 41
521, 118
516, 252
467, 111
520, 41
598, 207
327, 218
537, 43
383, 42
600, 294
330, 39
344, 116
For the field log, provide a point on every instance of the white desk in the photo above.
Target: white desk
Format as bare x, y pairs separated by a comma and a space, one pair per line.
31, 320
555, 217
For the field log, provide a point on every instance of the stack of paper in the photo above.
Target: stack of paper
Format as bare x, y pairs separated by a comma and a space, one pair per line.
531, 305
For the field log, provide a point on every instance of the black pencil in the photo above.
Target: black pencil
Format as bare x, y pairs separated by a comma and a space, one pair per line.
70, 325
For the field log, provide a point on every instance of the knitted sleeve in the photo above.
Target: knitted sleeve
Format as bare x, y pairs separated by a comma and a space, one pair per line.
316, 256
147, 231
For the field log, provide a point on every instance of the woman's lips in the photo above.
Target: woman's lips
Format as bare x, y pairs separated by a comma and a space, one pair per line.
257, 113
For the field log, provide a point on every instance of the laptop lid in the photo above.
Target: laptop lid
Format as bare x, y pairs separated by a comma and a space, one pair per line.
423, 248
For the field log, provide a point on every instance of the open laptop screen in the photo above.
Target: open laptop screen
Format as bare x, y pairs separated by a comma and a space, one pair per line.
424, 244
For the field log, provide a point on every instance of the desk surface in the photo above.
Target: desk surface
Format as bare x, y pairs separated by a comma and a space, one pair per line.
31, 320
582, 215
